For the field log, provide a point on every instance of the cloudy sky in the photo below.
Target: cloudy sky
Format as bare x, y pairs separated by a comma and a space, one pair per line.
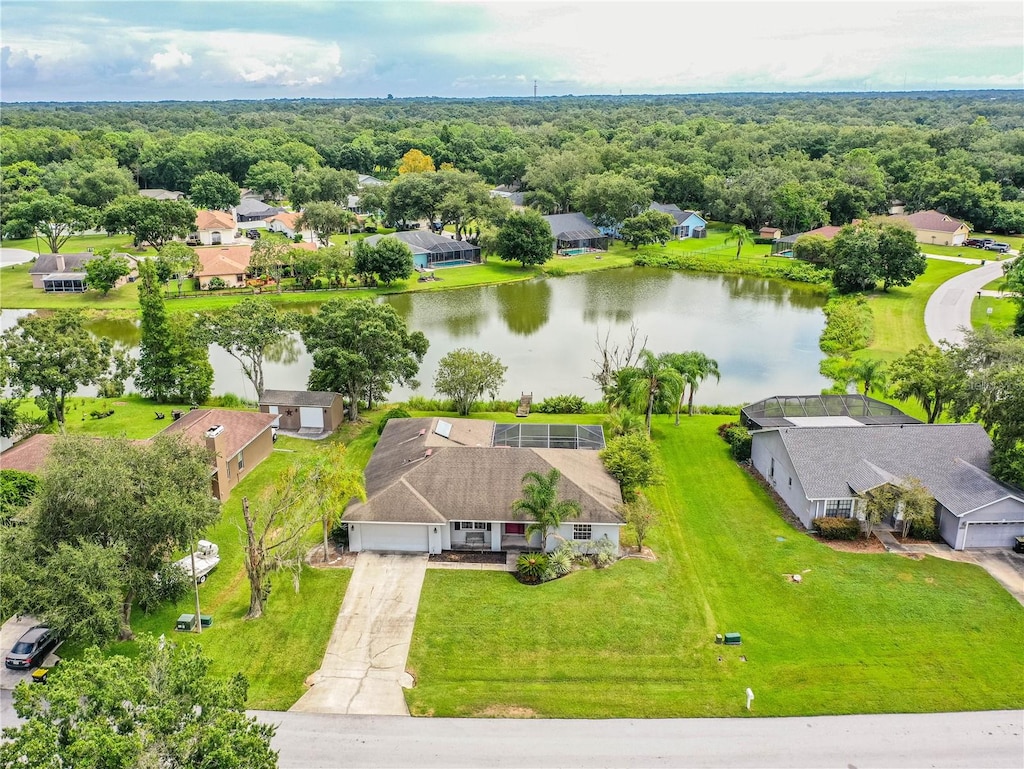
217, 49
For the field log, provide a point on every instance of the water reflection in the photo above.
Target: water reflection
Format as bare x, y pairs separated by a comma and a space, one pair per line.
525, 307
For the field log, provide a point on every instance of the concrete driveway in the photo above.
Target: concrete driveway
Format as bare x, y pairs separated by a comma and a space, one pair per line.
948, 310
363, 670
10, 632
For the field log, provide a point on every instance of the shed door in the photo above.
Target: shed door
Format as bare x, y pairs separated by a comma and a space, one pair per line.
273, 410
992, 534
311, 417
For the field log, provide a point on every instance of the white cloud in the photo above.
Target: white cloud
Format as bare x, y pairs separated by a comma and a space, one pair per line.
172, 58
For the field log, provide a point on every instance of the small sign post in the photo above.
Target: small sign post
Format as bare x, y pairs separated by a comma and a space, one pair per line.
750, 697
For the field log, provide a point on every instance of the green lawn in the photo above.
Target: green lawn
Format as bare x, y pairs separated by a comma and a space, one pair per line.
861, 634
80, 243
1004, 311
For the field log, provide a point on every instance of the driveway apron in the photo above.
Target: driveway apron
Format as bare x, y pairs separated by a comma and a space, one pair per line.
363, 670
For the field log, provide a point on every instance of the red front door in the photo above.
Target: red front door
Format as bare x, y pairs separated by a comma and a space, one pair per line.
515, 528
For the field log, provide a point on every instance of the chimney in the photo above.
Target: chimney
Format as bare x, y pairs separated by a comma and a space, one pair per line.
60, 262
215, 445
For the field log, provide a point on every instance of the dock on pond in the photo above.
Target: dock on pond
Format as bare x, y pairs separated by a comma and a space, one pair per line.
524, 405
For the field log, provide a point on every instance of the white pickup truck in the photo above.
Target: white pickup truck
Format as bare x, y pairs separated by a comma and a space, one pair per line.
206, 557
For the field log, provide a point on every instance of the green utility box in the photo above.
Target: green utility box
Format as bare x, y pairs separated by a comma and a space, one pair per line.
206, 620
186, 622
732, 639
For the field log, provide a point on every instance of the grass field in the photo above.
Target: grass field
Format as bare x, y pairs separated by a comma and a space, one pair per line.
1004, 311
79, 243
862, 634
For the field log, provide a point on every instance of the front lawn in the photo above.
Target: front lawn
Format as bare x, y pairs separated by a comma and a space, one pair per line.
1003, 312
861, 633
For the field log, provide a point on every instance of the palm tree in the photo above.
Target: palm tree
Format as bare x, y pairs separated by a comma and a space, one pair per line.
622, 421
741, 235
869, 372
656, 378
540, 500
694, 367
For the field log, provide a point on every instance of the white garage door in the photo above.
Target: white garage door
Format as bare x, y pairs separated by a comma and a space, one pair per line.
404, 537
992, 534
311, 417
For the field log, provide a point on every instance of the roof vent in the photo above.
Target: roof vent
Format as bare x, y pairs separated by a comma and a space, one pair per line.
429, 453
214, 431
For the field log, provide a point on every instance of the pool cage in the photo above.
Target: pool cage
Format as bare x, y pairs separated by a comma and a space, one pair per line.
540, 436
778, 410
452, 251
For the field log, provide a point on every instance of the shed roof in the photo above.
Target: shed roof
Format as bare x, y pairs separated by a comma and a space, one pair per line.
951, 460
298, 398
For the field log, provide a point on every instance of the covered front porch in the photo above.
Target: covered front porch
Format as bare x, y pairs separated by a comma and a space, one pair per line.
487, 535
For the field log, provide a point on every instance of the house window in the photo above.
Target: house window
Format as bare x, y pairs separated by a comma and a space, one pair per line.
839, 508
771, 470
582, 531
472, 525
241, 461
790, 483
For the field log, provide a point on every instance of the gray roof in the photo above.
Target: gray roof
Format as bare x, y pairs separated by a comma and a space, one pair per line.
65, 276
789, 410
572, 227
48, 264
674, 211
951, 460
160, 194
298, 398
256, 207
406, 484
365, 180
424, 242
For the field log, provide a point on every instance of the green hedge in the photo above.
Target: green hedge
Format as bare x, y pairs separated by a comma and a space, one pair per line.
791, 269
849, 325
738, 438
837, 528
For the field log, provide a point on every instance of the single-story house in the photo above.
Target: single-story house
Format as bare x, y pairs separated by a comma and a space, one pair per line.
213, 228
65, 273
430, 250
158, 194
935, 229
824, 470
287, 223
447, 484
254, 212
785, 245
365, 180
575, 231
774, 233
237, 442
229, 263
897, 207
689, 224
304, 410
510, 193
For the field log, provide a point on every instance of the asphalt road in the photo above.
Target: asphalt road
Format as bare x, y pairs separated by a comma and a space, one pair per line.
949, 307
987, 739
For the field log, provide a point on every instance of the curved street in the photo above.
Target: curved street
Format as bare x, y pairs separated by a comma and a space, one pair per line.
948, 311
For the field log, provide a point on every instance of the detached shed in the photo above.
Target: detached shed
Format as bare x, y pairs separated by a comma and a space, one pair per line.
314, 411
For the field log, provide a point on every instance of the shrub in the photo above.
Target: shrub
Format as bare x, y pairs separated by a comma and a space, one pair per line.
231, 401
837, 528
848, 325
924, 529
562, 404
533, 567
395, 413
632, 460
16, 490
561, 560
556, 272
738, 438
419, 403
216, 284
339, 534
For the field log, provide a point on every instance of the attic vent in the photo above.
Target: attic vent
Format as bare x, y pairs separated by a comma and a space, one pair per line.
423, 432
444, 429
429, 452
214, 431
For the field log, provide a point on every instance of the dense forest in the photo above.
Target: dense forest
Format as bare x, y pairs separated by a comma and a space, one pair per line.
795, 161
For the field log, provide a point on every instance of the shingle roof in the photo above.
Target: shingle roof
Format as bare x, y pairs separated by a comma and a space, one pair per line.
214, 220
47, 264
423, 242
224, 260
471, 482
255, 207
572, 226
240, 427
29, 455
930, 220
160, 194
298, 398
951, 460
674, 211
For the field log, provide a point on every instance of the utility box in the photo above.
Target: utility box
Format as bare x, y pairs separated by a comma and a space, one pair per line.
718, 638
186, 622
205, 620
732, 639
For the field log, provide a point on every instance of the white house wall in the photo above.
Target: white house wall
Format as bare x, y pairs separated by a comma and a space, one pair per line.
767, 446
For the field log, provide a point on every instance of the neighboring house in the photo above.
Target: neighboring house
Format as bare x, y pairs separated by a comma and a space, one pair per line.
287, 223
247, 193
445, 484
254, 212
65, 273
229, 263
28, 455
821, 411
213, 228
689, 224
784, 246
897, 207
774, 233
365, 180
823, 470
303, 410
575, 231
512, 194
237, 442
935, 229
430, 250
159, 194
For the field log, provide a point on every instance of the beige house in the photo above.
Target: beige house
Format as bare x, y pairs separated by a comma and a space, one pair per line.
213, 228
934, 228
65, 273
237, 442
229, 263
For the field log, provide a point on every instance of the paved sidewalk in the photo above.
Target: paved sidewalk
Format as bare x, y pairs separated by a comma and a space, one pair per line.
363, 671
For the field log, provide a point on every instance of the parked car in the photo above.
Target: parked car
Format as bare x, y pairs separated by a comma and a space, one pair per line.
976, 242
31, 649
1002, 248
252, 234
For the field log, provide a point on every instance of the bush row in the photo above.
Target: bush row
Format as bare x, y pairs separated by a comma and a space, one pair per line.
797, 271
837, 528
738, 438
569, 404
849, 325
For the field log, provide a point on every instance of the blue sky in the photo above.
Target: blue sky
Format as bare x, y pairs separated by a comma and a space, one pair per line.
212, 49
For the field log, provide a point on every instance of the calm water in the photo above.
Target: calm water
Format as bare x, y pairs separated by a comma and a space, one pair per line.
764, 334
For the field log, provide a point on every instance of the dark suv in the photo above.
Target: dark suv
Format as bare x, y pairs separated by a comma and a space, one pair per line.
977, 242
31, 649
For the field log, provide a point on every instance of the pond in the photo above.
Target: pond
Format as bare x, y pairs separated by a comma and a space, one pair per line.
764, 334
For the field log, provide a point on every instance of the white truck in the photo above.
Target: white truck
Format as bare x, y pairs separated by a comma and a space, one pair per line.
206, 557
